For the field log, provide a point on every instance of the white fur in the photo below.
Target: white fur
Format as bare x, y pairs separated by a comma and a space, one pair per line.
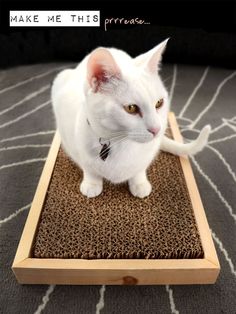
79, 95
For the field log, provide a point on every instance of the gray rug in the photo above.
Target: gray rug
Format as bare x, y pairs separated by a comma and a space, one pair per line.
199, 96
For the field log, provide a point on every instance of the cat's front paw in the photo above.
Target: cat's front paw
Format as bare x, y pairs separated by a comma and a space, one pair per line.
140, 190
90, 189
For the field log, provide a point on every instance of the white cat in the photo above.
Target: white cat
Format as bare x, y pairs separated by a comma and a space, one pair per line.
111, 112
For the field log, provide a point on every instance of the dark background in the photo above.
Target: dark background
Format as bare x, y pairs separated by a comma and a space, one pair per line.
201, 32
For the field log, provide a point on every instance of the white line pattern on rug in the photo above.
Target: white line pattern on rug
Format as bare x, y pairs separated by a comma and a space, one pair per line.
24, 162
31, 79
232, 127
24, 146
184, 118
15, 214
217, 240
217, 128
187, 129
26, 136
225, 253
45, 299
227, 165
223, 139
215, 188
185, 107
100, 304
171, 299
191, 126
204, 111
220, 126
225, 122
173, 83
24, 115
26, 98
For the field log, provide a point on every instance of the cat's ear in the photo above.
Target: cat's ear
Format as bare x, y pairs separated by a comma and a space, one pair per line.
102, 70
151, 59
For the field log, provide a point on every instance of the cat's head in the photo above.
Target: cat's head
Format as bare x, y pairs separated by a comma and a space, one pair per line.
125, 96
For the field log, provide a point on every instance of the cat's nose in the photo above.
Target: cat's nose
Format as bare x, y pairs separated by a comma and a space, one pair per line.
154, 131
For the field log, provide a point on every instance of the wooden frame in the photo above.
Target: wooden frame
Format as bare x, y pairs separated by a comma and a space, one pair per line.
30, 270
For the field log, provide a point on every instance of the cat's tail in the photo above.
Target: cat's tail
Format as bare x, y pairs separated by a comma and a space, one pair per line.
176, 148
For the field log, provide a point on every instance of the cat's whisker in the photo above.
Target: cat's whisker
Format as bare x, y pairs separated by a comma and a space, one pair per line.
111, 139
104, 139
113, 144
123, 147
118, 142
140, 134
109, 134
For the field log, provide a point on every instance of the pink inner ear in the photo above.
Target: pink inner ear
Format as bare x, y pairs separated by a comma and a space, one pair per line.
101, 66
99, 75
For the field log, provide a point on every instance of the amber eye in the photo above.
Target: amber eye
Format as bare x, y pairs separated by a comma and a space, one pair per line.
132, 109
160, 103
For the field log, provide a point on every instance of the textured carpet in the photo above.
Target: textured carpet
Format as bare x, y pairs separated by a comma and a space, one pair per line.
199, 96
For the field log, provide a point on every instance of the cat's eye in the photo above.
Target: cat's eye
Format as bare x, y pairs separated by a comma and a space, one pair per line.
132, 109
160, 103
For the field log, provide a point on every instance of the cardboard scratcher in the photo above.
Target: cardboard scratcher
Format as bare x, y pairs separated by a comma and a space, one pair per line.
116, 238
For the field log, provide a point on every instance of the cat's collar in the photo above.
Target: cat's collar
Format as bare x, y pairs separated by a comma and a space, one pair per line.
105, 150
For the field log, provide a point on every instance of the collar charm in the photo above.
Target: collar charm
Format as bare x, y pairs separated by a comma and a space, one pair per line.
105, 150
105, 147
